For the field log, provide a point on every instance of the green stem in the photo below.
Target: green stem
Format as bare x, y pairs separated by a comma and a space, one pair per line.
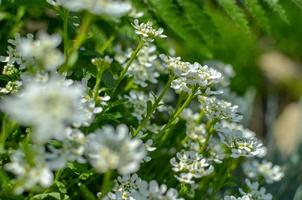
4, 134
154, 106
106, 183
58, 174
82, 35
65, 31
210, 131
131, 59
97, 85
175, 115
107, 44
87, 194
79, 40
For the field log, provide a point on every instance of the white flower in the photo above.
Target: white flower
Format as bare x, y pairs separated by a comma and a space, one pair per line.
242, 142
190, 75
190, 165
152, 190
143, 68
147, 32
255, 192
148, 148
180, 86
10, 70
216, 109
13, 56
138, 100
110, 149
123, 187
175, 64
90, 110
114, 8
43, 50
72, 149
49, 106
271, 173
12, 87
29, 175
245, 197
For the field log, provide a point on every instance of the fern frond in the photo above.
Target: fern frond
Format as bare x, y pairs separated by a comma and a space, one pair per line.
298, 3
179, 24
200, 20
235, 13
275, 5
258, 13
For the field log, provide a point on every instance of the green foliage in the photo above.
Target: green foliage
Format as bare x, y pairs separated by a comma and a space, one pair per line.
174, 19
258, 13
234, 11
275, 5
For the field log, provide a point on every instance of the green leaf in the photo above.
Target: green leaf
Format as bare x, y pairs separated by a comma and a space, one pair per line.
180, 25
277, 8
235, 13
298, 3
258, 13
200, 20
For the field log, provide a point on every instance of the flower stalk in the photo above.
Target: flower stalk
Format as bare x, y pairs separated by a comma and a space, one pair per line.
154, 106
176, 115
131, 59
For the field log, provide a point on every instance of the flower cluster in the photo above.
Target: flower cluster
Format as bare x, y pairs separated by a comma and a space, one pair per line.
132, 187
271, 173
190, 165
75, 123
147, 32
110, 149
99, 7
144, 67
190, 75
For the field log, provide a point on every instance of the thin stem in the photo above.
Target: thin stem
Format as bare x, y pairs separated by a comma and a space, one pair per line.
106, 183
65, 31
97, 85
107, 44
210, 131
176, 114
58, 174
154, 106
131, 59
82, 35
79, 40
87, 194
4, 134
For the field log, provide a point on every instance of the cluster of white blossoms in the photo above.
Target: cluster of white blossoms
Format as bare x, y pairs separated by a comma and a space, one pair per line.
13, 56
217, 109
49, 106
147, 32
143, 68
190, 165
72, 149
109, 149
29, 172
114, 8
11, 87
241, 141
190, 75
255, 169
43, 50
131, 187
253, 192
